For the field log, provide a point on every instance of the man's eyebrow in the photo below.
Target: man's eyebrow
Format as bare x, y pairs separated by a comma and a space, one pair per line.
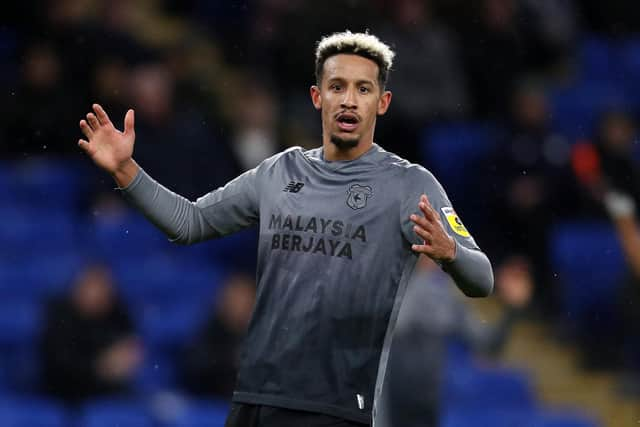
358, 82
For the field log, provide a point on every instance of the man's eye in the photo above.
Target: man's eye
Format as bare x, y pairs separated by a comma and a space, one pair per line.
336, 87
364, 89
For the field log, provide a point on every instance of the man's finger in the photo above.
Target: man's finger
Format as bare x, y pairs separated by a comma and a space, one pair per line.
426, 209
86, 129
424, 234
86, 147
93, 121
129, 119
102, 115
423, 249
421, 221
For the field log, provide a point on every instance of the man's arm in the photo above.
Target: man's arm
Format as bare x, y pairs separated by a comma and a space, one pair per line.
220, 212
468, 267
433, 228
622, 211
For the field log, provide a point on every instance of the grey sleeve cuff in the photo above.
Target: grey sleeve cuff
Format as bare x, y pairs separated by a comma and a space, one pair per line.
181, 220
472, 271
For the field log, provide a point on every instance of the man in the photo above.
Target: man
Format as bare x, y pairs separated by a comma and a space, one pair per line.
341, 228
89, 346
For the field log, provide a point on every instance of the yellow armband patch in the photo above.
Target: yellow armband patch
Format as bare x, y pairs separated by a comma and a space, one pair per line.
454, 221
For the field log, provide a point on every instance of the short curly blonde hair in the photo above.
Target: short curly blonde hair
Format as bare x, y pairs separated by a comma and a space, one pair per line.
362, 44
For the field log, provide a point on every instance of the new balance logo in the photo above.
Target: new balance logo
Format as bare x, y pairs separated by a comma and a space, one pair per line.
294, 187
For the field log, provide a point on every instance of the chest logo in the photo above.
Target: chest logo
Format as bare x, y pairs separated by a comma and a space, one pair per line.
357, 196
293, 187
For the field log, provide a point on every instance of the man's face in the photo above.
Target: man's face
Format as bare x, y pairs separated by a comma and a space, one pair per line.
350, 98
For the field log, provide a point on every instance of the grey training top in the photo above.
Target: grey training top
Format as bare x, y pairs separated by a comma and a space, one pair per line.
334, 259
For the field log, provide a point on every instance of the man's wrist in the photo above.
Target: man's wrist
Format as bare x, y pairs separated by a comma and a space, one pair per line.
452, 255
125, 174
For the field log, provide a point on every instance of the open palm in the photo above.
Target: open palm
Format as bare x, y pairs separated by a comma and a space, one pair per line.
107, 146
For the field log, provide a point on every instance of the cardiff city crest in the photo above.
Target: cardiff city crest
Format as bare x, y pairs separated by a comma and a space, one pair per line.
357, 196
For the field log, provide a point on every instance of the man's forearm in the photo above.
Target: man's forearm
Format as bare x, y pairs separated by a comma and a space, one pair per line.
471, 271
629, 235
176, 216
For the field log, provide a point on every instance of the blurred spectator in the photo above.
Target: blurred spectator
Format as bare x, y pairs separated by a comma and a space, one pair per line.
34, 113
531, 178
486, 41
433, 313
89, 346
211, 361
611, 184
427, 81
199, 162
616, 18
622, 210
608, 163
550, 29
255, 133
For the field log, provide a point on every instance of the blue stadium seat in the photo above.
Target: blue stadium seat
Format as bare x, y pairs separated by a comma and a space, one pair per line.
452, 150
599, 60
163, 277
203, 414
488, 388
20, 321
123, 235
454, 153
114, 412
46, 182
170, 324
588, 262
461, 416
631, 63
576, 109
158, 371
31, 229
31, 412
34, 276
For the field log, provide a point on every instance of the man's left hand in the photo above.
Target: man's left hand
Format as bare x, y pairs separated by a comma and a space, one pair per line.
437, 244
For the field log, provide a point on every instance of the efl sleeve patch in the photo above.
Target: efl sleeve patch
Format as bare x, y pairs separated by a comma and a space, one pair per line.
454, 221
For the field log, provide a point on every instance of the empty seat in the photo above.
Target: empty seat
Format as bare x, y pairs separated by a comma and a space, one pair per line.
576, 109
486, 388
114, 412
170, 324
461, 416
587, 260
203, 414
34, 276
31, 412
20, 321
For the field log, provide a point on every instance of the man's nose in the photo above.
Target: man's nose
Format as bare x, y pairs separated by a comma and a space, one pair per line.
349, 100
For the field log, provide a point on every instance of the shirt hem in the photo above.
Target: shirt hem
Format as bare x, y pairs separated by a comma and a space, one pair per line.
301, 405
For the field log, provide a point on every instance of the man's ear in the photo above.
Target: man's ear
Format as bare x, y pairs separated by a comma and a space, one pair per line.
316, 97
383, 102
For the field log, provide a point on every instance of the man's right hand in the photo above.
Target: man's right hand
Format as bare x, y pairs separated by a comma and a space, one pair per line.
109, 148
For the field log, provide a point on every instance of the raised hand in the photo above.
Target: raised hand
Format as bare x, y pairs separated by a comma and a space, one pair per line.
437, 244
109, 148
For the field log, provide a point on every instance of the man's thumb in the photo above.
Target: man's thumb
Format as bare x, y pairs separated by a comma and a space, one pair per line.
128, 122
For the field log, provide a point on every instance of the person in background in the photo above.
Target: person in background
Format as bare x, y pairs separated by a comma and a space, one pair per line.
89, 346
526, 179
211, 360
433, 314
610, 183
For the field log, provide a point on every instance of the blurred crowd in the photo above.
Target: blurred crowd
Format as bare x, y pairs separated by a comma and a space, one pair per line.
220, 85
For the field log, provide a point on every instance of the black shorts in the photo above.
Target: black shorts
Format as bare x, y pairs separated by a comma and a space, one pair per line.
245, 415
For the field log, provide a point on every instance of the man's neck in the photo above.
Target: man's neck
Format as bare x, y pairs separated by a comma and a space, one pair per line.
333, 153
